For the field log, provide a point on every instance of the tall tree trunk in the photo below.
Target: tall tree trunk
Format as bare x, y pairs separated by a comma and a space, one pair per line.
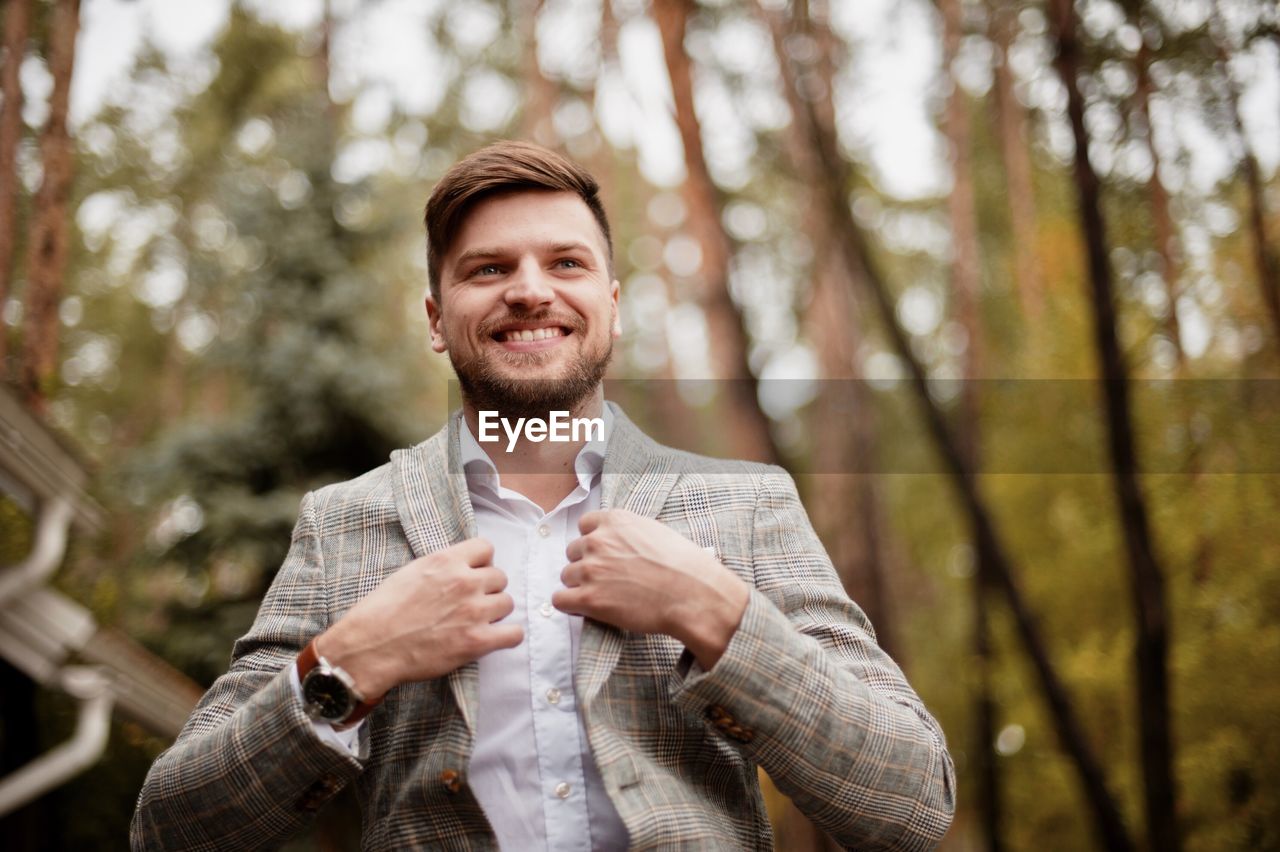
965, 295
846, 462
750, 436
1266, 264
540, 93
847, 509
962, 211
1166, 239
665, 403
986, 767
47, 248
17, 21
324, 66
833, 177
1145, 574
1011, 118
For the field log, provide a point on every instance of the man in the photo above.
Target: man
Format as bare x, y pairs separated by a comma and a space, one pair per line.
531, 644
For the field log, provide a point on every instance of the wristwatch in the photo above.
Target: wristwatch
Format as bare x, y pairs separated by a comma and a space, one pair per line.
328, 692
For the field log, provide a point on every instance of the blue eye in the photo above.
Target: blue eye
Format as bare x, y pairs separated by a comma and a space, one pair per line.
570, 260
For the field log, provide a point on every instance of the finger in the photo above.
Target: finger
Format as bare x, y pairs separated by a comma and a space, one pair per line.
591, 520
498, 636
491, 579
570, 601
497, 607
576, 549
476, 552
571, 575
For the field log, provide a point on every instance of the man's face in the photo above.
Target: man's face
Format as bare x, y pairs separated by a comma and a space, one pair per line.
528, 311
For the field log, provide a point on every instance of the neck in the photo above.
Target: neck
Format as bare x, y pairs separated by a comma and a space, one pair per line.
542, 470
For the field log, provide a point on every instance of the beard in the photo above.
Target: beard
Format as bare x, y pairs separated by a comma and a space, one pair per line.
488, 385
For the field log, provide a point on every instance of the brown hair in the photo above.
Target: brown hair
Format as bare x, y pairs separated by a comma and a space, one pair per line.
495, 169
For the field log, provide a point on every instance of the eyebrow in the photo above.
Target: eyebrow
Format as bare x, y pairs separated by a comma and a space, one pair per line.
491, 253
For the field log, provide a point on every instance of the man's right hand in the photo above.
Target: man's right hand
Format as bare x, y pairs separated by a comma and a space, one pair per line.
428, 618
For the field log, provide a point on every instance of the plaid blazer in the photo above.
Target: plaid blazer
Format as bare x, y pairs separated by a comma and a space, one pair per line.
802, 690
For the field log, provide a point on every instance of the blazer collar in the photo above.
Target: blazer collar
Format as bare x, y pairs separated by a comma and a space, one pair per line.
430, 490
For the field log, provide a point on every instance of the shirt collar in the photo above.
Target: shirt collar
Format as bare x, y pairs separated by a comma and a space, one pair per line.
481, 471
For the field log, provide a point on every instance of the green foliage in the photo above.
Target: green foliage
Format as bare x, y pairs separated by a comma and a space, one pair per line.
244, 323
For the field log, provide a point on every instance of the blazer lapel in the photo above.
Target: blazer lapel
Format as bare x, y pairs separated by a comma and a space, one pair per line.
435, 510
637, 476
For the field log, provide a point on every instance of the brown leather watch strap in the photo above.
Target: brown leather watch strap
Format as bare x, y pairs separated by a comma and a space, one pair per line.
308, 660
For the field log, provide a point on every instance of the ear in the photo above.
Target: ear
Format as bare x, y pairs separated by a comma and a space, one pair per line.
615, 290
435, 319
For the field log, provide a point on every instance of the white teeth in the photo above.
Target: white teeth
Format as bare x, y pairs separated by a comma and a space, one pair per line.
534, 333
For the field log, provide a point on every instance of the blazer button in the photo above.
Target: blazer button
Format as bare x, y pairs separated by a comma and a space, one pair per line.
451, 780
728, 725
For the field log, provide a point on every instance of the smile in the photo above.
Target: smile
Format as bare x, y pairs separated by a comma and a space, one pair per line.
528, 339
526, 334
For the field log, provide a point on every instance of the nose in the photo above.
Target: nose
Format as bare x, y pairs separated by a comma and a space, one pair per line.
529, 287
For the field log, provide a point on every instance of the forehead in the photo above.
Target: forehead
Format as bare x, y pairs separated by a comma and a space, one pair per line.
514, 220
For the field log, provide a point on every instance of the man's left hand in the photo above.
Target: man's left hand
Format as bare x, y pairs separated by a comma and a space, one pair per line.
639, 574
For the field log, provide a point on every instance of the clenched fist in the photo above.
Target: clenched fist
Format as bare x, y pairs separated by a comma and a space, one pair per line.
639, 574
428, 618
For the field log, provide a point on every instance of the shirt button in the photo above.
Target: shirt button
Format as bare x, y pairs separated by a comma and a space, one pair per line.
544, 530
553, 696
563, 789
545, 609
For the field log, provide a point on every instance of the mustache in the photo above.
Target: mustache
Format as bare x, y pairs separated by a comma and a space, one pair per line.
569, 321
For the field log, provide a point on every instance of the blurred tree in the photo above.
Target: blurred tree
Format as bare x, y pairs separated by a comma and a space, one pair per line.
1266, 265
1012, 121
1148, 29
1146, 575
310, 387
965, 283
242, 270
842, 458
48, 244
17, 15
749, 432
834, 171
541, 94
254, 349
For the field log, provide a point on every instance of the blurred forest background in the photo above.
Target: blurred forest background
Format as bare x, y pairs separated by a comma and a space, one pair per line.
212, 284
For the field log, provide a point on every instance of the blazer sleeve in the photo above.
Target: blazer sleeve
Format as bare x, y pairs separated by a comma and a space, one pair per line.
248, 771
804, 691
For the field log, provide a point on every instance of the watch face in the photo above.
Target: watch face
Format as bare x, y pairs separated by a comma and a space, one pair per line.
326, 696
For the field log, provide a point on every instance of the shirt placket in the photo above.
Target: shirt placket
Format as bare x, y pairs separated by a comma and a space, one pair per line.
555, 717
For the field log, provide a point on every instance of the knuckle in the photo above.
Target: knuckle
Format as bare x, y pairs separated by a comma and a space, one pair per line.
470, 610
473, 639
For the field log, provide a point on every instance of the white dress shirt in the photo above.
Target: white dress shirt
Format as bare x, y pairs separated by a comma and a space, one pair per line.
531, 769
